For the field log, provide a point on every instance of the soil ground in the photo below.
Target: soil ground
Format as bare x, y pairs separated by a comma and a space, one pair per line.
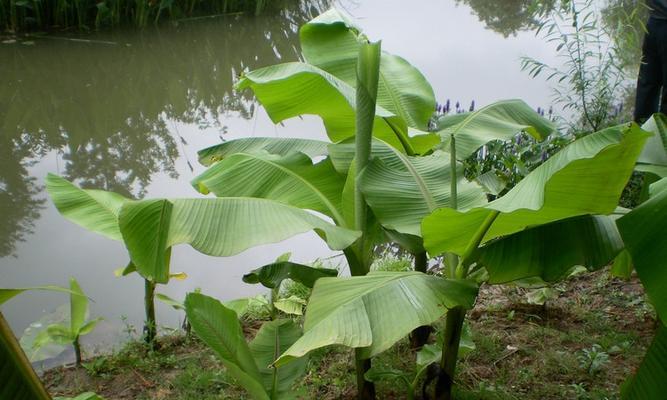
581, 344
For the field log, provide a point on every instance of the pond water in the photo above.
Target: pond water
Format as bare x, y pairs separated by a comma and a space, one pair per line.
127, 111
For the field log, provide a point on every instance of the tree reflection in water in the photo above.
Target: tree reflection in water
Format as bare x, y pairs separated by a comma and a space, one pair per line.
107, 108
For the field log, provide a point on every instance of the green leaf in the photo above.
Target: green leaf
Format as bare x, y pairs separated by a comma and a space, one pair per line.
19, 380
587, 177
89, 326
649, 381
95, 210
491, 183
372, 312
293, 89
378, 374
255, 145
331, 42
498, 121
60, 334
145, 228
549, 251
291, 179
124, 271
654, 155
273, 338
7, 294
239, 306
175, 304
402, 190
622, 266
643, 232
429, 354
220, 329
218, 227
292, 305
78, 306
271, 275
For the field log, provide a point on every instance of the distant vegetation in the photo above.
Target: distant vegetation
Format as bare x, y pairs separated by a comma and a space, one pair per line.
22, 15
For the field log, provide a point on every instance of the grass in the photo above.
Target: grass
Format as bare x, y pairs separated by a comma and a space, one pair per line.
580, 345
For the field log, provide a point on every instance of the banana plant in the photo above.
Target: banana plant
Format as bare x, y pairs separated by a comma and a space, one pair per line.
282, 169
150, 228
78, 326
559, 216
248, 363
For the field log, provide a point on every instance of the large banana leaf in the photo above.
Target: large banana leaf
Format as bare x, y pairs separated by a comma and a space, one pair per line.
95, 210
331, 42
291, 179
402, 190
272, 275
7, 294
220, 329
585, 178
293, 89
218, 227
498, 121
372, 312
654, 156
550, 251
649, 381
19, 381
273, 338
643, 232
253, 145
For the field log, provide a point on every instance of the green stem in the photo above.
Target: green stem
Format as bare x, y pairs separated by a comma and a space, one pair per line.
274, 298
368, 72
365, 389
77, 351
453, 188
450, 350
150, 327
419, 336
451, 259
456, 317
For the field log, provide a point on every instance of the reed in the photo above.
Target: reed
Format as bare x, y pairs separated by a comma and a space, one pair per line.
26, 15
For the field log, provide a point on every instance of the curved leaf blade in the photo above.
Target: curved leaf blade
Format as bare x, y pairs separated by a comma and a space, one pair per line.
498, 121
331, 42
272, 275
585, 178
220, 329
95, 210
643, 232
254, 145
272, 339
649, 380
217, 227
551, 250
402, 190
374, 311
292, 89
291, 179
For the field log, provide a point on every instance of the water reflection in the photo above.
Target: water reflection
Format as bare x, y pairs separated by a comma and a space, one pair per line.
108, 106
508, 17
